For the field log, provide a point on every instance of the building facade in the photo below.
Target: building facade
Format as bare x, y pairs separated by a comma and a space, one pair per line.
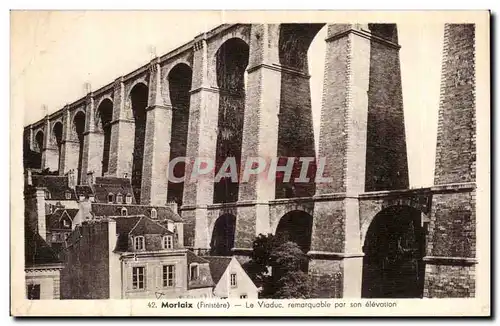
242, 91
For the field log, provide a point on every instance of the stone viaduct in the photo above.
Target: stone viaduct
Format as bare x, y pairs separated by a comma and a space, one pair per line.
243, 91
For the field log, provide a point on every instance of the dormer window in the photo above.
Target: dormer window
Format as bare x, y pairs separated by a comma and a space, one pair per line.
168, 242
47, 194
128, 199
154, 213
67, 194
124, 211
193, 272
139, 243
111, 198
119, 199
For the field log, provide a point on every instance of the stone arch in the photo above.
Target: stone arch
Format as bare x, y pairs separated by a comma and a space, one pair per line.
223, 232
103, 121
296, 226
231, 63
39, 141
295, 108
394, 247
79, 129
57, 131
139, 94
179, 86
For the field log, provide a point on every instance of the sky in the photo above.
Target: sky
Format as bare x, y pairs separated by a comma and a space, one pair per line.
53, 54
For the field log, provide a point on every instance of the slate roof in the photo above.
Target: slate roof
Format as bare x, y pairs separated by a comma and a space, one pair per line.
83, 190
36, 250
204, 278
55, 184
103, 186
162, 212
52, 220
218, 265
135, 225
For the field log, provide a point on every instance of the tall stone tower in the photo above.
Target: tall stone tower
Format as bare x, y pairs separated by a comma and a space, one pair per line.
450, 261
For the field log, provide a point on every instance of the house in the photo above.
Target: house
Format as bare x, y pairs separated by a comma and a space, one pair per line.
129, 257
231, 280
42, 267
58, 226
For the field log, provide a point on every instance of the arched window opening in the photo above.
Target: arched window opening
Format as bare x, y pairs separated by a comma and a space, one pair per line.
139, 99
231, 63
295, 109
223, 236
394, 248
79, 127
58, 136
105, 111
179, 83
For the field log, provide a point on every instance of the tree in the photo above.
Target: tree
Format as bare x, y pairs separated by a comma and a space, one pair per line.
277, 268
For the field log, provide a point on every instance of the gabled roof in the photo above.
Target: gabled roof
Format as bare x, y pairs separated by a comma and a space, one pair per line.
103, 186
162, 212
123, 227
56, 185
36, 250
148, 226
135, 225
52, 220
218, 265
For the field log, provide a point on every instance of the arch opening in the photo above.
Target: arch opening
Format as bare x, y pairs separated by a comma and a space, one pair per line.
39, 141
295, 110
179, 82
296, 226
58, 135
231, 63
223, 236
139, 99
394, 248
105, 112
79, 125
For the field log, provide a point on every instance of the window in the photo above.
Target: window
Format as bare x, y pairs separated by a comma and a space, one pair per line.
139, 243
193, 272
67, 194
243, 296
138, 278
66, 223
168, 275
168, 242
111, 198
47, 194
154, 214
128, 199
33, 291
233, 280
119, 199
124, 211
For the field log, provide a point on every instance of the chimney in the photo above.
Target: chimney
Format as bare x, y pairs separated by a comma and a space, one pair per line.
71, 179
28, 177
90, 178
40, 212
87, 88
173, 206
84, 213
